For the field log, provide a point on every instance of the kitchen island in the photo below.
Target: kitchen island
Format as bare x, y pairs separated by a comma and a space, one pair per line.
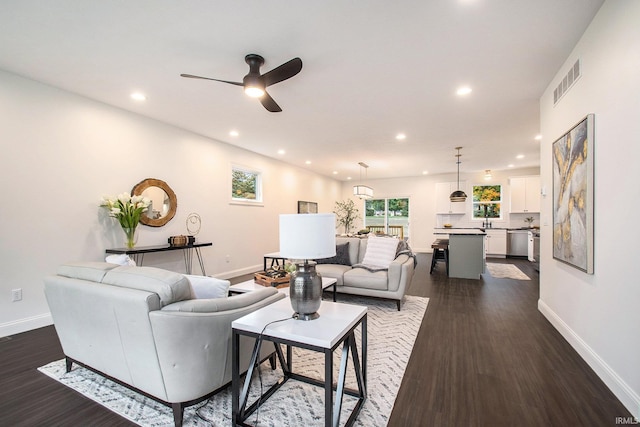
466, 252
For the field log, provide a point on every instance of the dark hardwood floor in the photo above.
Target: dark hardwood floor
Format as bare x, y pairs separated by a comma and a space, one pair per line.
484, 356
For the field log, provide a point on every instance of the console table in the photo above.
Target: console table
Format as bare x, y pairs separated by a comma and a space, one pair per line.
138, 253
334, 327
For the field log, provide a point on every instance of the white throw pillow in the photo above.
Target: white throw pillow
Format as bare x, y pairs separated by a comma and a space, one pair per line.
205, 287
381, 251
122, 259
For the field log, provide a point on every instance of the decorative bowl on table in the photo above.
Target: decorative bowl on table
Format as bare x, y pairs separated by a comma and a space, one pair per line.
448, 226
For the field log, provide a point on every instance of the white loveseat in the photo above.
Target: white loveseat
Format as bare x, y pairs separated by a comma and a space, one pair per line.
354, 278
142, 327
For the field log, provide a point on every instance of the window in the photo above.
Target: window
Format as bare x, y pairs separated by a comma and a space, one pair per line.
246, 185
486, 201
389, 216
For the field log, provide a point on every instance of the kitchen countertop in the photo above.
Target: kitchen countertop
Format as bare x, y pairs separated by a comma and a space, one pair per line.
460, 231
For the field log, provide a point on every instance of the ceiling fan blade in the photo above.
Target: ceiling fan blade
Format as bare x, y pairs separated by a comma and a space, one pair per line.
269, 103
283, 72
191, 76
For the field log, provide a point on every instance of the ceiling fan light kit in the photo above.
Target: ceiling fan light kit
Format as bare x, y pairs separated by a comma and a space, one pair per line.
458, 195
254, 91
255, 84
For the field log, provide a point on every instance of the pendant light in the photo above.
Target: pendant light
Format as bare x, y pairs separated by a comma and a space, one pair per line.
362, 191
458, 195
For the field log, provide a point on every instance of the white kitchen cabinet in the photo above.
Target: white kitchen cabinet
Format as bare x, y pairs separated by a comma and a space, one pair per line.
496, 243
525, 194
444, 205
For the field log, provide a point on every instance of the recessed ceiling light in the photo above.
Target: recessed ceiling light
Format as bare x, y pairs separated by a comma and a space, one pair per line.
234, 133
538, 137
348, 178
281, 152
308, 162
510, 166
138, 96
335, 172
520, 156
425, 172
464, 90
401, 136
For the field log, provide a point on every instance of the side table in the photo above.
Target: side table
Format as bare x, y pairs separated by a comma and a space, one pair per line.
335, 326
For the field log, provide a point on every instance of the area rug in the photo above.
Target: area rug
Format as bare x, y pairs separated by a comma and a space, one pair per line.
506, 271
391, 335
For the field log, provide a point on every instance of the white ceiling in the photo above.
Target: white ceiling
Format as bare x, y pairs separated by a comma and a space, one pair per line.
371, 69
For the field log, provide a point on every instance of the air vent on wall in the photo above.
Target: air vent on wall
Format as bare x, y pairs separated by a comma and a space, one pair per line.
567, 82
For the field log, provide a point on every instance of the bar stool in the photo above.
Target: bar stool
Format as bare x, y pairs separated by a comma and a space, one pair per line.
440, 252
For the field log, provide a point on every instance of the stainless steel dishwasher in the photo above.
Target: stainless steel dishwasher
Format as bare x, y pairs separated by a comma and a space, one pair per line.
517, 243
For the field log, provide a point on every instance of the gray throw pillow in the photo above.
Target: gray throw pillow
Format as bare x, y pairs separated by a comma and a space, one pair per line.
341, 258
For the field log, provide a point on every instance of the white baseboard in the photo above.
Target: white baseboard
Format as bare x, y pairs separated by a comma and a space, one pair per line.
26, 324
239, 272
422, 250
618, 387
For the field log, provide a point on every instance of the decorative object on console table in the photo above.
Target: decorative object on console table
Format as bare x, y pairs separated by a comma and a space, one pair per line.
573, 196
130, 236
193, 226
307, 237
179, 240
128, 211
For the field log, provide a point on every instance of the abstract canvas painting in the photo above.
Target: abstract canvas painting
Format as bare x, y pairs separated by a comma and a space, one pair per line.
573, 196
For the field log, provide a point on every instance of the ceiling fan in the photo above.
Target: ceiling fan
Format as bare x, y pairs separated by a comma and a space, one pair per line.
255, 84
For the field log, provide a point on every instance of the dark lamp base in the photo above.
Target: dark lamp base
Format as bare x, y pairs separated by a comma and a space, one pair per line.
306, 316
305, 291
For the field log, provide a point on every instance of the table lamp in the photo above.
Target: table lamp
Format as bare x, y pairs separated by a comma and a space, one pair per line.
307, 237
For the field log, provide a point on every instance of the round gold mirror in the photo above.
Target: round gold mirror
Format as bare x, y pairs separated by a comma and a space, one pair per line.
163, 201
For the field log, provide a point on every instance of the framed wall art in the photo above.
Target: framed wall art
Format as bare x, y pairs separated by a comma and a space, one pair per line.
307, 207
573, 196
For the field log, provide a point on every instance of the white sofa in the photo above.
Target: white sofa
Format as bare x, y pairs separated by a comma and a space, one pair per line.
142, 327
388, 283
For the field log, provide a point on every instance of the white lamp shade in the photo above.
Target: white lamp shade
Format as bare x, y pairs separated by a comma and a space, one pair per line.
307, 236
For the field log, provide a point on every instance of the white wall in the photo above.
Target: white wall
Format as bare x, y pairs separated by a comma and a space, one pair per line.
422, 202
62, 152
598, 314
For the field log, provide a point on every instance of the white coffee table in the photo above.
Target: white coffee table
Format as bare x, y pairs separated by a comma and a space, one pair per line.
335, 326
250, 286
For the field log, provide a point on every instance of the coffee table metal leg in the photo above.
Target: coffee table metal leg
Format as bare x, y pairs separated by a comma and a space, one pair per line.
364, 351
346, 346
328, 388
239, 398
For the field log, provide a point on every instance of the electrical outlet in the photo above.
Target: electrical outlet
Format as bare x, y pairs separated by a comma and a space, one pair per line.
16, 294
